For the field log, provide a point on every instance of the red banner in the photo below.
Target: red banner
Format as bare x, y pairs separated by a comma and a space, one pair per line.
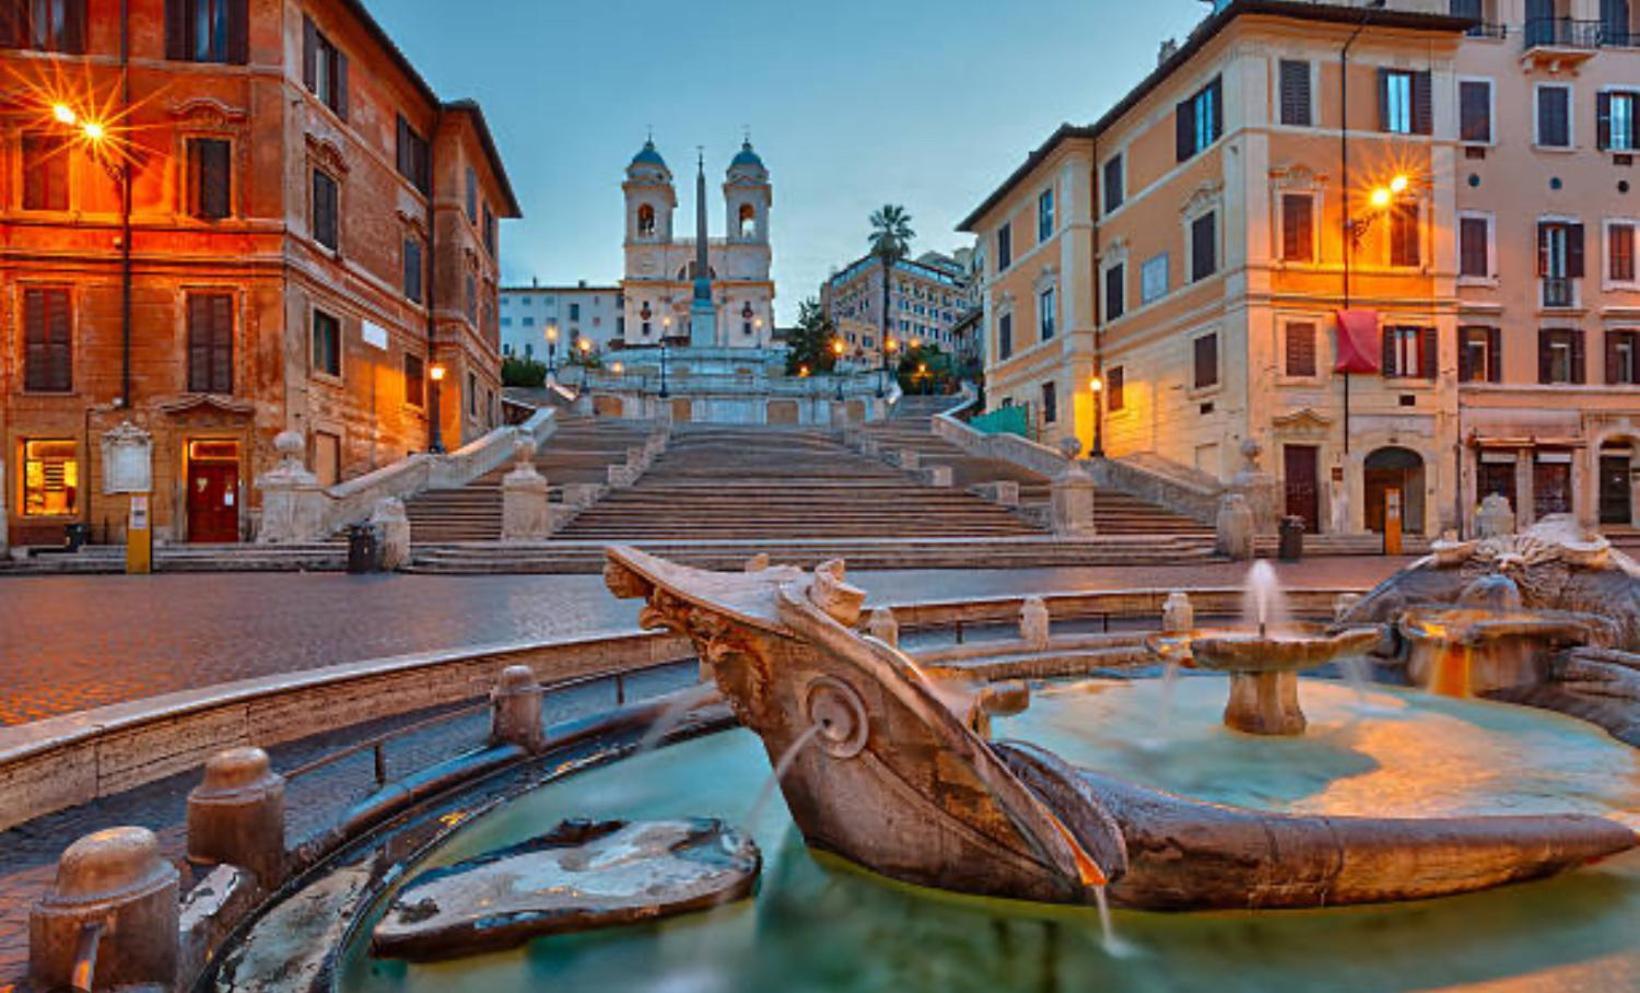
1360, 348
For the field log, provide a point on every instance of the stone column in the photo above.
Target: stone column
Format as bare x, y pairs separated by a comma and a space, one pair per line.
394, 524
526, 514
114, 880
515, 709
293, 502
1525, 490
237, 815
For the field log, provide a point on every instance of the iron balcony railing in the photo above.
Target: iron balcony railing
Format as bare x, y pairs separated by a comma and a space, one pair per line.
1563, 32
1558, 291
1487, 29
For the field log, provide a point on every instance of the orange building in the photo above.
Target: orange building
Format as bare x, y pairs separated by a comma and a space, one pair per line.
1273, 238
219, 222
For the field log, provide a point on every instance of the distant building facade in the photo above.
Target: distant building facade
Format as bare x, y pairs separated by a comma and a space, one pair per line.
534, 317
311, 229
928, 298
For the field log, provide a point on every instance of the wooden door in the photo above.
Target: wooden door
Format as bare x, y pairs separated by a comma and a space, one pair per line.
213, 502
1302, 477
1614, 490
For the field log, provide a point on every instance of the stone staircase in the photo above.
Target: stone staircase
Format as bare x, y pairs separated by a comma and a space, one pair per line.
579, 452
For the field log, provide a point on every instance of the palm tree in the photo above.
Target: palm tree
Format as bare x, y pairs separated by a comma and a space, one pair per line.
890, 241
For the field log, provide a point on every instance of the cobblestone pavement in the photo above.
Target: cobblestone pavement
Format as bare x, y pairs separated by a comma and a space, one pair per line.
69, 643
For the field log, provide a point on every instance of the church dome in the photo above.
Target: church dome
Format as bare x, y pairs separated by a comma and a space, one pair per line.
747, 161
648, 162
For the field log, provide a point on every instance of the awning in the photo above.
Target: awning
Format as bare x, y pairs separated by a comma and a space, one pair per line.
1359, 345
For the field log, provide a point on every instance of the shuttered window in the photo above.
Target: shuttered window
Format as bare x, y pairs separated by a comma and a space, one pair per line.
1620, 253
1405, 102
1474, 247
1115, 380
1115, 291
211, 178
1301, 349
47, 341
489, 231
327, 344
1204, 246
45, 172
472, 195
1621, 360
1554, 116
1475, 110
414, 157
326, 221
413, 269
1005, 246
1297, 227
415, 381
43, 25
1404, 235
1560, 250
1560, 356
1615, 121
1050, 403
1409, 353
1206, 361
1114, 179
1199, 121
324, 68
1480, 355
210, 343
1295, 93
207, 31
1005, 336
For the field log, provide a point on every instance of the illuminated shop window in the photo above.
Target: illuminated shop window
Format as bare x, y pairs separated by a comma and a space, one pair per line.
51, 479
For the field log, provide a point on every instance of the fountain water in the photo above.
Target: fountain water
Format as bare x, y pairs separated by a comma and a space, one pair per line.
1264, 603
781, 767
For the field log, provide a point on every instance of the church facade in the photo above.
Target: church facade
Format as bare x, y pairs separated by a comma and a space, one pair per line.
665, 295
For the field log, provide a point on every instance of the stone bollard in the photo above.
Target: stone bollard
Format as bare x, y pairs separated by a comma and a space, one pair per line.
1033, 622
1233, 528
237, 815
526, 513
939, 475
884, 627
1071, 503
1007, 491
1178, 613
393, 522
515, 709
910, 458
293, 502
1496, 518
117, 881
1344, 604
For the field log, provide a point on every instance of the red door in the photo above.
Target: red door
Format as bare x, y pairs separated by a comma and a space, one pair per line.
213, 501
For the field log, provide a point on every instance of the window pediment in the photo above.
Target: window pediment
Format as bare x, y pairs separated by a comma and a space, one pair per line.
209, 112
327, 155
1204, 198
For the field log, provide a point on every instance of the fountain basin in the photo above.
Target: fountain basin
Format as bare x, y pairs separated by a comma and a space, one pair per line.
1464, 651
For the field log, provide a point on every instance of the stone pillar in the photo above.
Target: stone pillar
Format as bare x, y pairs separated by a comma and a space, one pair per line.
526, 515
293, 502
1260, 489
393, 523
115, 879
910, 458
884, 627
1495, 518
1525, 489
1072, 502
1233, 528
237, 815
1034, 623
515, 709
1178, 613
1264, 703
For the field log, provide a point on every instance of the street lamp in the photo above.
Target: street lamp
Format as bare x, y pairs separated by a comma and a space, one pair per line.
585, 345
435, 442
1097, 385
837, 348
552, 350
666, 328
889, 345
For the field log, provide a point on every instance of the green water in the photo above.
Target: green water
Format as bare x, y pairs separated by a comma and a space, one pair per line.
819, 925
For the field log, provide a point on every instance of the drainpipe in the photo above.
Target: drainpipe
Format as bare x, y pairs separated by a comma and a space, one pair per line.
429, 292
125, 213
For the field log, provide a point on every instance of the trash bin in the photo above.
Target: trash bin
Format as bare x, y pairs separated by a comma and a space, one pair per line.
76, 536
364, 549
1292, 539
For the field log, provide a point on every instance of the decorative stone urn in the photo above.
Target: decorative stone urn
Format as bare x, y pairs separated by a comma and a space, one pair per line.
526, 514
1233, 528
293, 502
1071, 498
1260, 489
1178, 614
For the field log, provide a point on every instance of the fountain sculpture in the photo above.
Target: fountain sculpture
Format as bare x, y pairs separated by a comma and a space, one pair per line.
884, 772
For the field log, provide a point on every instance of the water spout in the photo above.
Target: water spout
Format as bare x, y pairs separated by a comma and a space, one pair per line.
781, 767
1264, 604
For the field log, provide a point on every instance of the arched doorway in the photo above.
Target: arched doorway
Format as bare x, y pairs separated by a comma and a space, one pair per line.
1393, 468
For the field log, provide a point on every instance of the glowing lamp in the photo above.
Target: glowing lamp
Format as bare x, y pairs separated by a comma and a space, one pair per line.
1096, 384
617, 368
437, 372
1381, 197
552, 332
837, 348
65, 114
94, 131
1398, 185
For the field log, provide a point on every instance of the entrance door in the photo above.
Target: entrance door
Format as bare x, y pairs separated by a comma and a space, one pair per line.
1302, 476
213, 492
1614, 490
1394, 469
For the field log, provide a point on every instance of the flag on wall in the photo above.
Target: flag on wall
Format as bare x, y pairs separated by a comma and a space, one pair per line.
1359, 343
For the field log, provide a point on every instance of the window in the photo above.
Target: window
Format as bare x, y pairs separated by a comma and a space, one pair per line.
51, 478
472, 393
415, 381
1300, 349
210, 343
1199, 121
472, 195
1204, 247
414, 157
1403, 234
326, 221
1560, 261
470, 297
324, 68
1554, 116
45, 172
1153, 278
1620, 252
1409, 353
1621, 368
1475, 110
646, 220
210, 172
489, 231
47, 341
1475, 247
1050, 403
1114, 193
1115, 291
1405, 104
1295, 93
1005, 246
1005, 336
1207, 361
1615, 127
1480, 355
413, 270
1114, 381
1560, 356
1046, 306
1298, 227
327, 344
207, 31
574, 311
1044, 215
43, 25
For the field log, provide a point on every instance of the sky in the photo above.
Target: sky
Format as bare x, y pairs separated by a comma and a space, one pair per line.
851, 103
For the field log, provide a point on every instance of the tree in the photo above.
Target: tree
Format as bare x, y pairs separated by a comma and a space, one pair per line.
810, 342
519, 371
890, 242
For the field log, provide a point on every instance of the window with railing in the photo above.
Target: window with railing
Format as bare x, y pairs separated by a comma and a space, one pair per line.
1560, 261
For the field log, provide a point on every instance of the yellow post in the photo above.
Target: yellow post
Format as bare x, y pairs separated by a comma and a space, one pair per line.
139, 538
1392, 522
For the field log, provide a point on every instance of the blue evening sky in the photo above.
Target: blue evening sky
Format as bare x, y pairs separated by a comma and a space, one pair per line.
851, 103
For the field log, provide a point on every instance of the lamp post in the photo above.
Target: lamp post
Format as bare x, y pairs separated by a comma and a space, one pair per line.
585, 347
837, 356
666, 326
552, 350
1097, 385
1381, 199
889, 345
117, 163
435, 443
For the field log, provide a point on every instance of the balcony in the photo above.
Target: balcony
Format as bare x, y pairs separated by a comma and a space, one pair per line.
1557, 42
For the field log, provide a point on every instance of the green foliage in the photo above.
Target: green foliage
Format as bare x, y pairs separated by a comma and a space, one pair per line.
810, 342
926, 369
891, 233
516, 371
